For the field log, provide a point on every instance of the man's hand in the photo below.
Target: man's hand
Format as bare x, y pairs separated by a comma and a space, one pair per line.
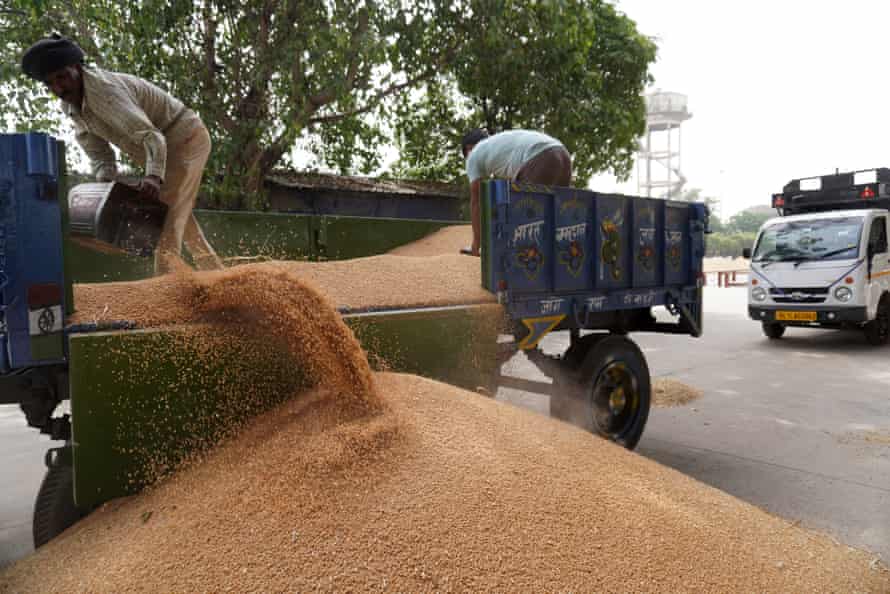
150, 188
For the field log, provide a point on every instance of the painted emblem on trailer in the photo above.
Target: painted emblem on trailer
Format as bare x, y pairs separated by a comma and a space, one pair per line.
573, 258
674, 249
531, 260
610, 253
646, 251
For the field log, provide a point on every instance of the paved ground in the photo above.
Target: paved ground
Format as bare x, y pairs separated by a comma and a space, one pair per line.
21, 458
799, 427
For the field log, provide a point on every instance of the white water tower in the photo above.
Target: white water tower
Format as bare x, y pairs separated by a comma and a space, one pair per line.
659, 158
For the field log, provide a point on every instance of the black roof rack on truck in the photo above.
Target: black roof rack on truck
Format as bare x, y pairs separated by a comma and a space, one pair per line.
868, 188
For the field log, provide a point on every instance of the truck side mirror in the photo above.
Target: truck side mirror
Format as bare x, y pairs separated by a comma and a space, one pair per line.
746, 253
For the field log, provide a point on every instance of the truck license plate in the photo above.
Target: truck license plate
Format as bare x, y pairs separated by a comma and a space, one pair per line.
796, 316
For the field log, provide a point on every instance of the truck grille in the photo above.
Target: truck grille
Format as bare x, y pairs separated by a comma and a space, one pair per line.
799, 294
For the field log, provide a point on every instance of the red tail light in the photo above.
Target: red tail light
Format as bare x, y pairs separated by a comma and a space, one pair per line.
778, 201
867, 192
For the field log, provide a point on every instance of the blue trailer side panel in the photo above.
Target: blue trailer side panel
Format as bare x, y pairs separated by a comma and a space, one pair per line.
563, 258
573, 211
32, 296
647, 267
529, 258
677, 247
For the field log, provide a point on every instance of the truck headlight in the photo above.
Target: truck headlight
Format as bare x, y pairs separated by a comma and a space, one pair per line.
759, 293
843, 294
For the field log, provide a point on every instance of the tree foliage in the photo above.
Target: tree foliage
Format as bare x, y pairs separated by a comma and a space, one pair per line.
338, 78
729, 245
750, 220
575, 69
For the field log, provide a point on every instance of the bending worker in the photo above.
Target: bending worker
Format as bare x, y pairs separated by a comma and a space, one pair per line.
519, 155
146, 123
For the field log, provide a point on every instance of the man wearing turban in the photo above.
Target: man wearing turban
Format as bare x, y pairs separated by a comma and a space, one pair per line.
146, 123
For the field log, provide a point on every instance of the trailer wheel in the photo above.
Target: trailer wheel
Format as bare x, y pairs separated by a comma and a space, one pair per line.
54, 510
567, 402
877, 331
617, 389
773, 331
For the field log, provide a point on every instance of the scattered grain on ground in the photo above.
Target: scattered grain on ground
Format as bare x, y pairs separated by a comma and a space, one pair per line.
874, 438
670, 392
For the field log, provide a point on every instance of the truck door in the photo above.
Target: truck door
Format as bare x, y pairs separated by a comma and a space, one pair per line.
879, 261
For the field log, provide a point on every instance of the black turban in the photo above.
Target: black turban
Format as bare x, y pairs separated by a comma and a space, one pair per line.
50, 54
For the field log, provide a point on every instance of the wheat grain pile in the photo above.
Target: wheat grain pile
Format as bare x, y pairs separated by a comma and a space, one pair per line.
445, 241
355, 285
444, 491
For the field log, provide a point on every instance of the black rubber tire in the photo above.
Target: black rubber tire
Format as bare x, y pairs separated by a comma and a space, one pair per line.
577, 352
773, 331
54, 510
616, 359
566, 401
877, 331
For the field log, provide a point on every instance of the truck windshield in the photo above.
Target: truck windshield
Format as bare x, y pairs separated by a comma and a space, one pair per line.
817, 239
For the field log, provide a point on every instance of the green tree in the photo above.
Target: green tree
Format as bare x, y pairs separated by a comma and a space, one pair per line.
262, 73
750, 220
575, 69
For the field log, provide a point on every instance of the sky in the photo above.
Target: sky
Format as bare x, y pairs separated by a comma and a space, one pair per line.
778, 90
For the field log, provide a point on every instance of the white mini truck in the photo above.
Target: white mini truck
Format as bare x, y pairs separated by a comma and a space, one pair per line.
824, 262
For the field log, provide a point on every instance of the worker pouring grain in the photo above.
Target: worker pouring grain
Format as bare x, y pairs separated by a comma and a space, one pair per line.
521, 155
146, 123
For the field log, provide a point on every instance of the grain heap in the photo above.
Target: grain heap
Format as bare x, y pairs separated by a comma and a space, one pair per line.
445, 241
357, 284
444, 491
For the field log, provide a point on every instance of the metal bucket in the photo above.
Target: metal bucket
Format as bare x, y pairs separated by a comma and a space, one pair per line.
115, 214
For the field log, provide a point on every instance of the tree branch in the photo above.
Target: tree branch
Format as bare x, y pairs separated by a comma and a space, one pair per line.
328, 95
373, 101
253, 104
210, 87
81, 31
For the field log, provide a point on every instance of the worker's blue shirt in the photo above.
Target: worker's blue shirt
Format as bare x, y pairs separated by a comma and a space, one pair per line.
504, 154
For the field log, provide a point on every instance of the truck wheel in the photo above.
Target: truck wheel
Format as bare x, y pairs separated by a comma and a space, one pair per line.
54, 510
617, 390
877, 331
773, 331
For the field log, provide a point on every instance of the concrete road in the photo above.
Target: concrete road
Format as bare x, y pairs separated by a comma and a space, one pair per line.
21, 459
799, 427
